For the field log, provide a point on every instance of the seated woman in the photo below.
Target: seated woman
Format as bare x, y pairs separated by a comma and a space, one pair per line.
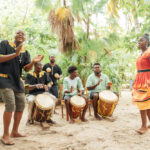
70, 86
36, 82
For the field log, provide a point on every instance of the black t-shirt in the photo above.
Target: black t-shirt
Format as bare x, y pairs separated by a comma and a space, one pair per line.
32, 78
11, 71
54, 69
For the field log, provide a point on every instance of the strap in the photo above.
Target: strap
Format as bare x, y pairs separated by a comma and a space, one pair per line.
146, 70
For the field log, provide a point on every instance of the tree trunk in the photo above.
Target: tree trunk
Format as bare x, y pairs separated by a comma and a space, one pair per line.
25, 13
135, 16
137, 26
64, 2
88, 26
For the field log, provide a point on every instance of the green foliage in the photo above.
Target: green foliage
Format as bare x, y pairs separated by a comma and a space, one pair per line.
85, 7
46, 5
119, 65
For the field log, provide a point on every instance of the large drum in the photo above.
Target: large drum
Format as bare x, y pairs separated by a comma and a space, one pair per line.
107, 103
43, 107
77, 104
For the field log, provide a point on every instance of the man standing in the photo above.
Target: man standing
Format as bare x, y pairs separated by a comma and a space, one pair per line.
55, 74
96, 82
13, 58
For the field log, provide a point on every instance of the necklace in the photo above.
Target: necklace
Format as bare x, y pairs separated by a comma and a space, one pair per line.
20, 57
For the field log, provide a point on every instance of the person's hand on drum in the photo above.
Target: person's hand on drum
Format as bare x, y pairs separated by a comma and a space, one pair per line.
80, 93
109, 84
45, 87
99, 82
39, 86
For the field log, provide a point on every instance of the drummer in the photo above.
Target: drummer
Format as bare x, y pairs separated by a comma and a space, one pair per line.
72, 85
95, 83
36, 82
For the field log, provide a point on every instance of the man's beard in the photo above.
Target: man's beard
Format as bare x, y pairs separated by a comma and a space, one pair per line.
52, 61
38, 70
97, 73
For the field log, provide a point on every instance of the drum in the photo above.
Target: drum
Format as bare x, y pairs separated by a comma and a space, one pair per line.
107, 103
77, 104
43, 107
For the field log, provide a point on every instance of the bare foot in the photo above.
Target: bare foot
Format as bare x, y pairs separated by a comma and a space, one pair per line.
142, 130
84, 120
7, 141
17, 135
98, 117
71, 121
111, 119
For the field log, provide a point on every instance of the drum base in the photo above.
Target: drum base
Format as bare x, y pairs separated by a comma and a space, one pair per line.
45, 125
76, 112
77, 105
106, 109
41, 115
76, 115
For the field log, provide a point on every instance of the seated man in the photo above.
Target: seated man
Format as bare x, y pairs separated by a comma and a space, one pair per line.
71, 85
97, 82
36, 82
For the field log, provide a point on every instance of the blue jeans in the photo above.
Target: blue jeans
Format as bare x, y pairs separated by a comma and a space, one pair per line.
92, 93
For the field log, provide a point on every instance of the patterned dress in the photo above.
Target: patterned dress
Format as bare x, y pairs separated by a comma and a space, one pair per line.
141, 85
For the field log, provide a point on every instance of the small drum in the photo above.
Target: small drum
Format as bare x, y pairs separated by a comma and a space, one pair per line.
107, 103
43, 107
78, 103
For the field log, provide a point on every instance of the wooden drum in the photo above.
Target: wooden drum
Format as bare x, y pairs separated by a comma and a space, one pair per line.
43, 107
107, 103
78, 103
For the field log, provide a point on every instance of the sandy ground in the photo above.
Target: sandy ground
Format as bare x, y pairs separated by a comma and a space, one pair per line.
94, 135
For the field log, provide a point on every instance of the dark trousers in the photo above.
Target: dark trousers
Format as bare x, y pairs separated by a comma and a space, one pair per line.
54, 90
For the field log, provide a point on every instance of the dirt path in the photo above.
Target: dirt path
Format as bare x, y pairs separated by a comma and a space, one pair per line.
94, 135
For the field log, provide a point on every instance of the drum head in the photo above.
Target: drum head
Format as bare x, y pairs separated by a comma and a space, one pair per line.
52, 96
108, 96
77, 101
44, 101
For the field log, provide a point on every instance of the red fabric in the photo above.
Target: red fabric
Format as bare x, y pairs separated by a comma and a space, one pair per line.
142, 78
